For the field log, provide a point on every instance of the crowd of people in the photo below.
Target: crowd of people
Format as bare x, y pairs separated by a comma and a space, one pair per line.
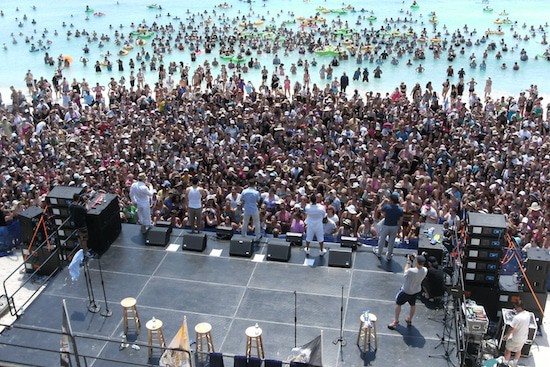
351, 151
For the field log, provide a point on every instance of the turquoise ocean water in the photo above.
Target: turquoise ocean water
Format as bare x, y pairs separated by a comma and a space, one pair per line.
17, 59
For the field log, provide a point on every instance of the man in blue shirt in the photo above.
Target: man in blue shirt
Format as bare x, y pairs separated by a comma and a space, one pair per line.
393, 217
250, 197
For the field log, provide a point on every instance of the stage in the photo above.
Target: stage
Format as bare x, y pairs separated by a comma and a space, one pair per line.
231, 294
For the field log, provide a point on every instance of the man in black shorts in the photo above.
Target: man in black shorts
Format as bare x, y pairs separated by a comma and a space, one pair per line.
414, 275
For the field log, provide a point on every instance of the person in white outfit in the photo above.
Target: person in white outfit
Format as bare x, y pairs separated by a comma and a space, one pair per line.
314, 222
195, 195
141, 194
518, 334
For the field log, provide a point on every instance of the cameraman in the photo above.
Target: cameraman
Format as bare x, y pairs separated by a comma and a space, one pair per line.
414, 275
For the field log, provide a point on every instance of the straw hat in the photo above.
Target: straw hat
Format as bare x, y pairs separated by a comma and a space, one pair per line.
535, 207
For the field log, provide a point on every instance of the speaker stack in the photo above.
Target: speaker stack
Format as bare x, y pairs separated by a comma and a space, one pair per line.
158, 236
340, 257
482, 257
59, 199
103, 220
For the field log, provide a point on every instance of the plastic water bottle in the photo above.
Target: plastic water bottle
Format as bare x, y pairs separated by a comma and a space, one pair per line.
257, 329
366, 317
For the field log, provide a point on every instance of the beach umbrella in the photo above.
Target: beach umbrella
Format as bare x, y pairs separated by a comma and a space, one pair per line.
68, 58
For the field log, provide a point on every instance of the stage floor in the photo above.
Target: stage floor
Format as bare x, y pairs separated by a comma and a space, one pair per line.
231, 294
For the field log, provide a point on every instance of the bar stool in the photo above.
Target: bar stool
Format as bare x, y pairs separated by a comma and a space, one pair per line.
202, 331
367, 329
129, 310
154, 329
254, 336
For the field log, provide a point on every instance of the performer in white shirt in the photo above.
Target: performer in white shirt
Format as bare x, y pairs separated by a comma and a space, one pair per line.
195, 195
141, 194
314, 222
518, 334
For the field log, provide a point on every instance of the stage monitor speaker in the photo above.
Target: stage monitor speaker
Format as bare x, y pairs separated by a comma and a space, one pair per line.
194, 242
340, 257
294, 238
278, 250
349, 242
157, 236
224, 233
241, 246
28, 220
164, 223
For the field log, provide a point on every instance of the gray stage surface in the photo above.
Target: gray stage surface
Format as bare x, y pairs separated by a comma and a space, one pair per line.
231, 294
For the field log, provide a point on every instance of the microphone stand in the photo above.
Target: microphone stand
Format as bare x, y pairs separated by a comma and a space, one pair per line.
92, 306
106, 312
341, 339
295, 319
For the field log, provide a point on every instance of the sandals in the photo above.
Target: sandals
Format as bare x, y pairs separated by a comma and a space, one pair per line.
409, 321
393, 325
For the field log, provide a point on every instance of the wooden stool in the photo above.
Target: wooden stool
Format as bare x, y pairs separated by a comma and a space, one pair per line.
202, 330
367, 328
129, 310
254, 335
154, 329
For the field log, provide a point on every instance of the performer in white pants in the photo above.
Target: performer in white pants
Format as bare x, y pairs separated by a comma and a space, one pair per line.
314, 222
141, 194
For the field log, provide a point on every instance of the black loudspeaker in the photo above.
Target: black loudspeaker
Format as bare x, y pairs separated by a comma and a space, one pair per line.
224, 233
62, 196
340, 257
294, 238
537, 267
350, 242
278, 250
28, 220
157, 236
194, 242
164, 223
241, 246
103, 220
42, 261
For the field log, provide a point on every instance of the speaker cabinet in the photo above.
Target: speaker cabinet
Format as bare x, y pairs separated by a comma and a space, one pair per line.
350, 242
28, 220
194, 242
340, 257
224, 233
103, 220
157, 236
294, 238
164, 223
42, 261
278, 250
537, 268
241, 246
